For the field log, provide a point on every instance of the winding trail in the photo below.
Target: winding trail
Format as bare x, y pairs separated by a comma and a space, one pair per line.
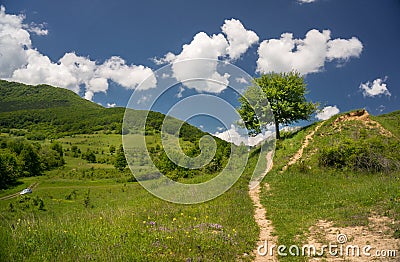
299, 153
264, 224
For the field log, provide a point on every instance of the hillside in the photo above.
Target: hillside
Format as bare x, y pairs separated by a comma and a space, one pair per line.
53, 111
341, 175
44, 112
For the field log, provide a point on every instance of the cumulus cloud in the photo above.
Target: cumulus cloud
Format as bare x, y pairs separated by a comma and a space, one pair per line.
344, 49
306, 55
230, 44
109, 105
376, 88
327, 112
237, 136
239, 38
19, 61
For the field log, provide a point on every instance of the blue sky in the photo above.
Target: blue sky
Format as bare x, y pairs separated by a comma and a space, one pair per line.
353, 65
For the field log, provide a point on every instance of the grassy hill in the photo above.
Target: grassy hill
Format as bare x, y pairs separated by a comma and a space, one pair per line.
348, 173
54, 112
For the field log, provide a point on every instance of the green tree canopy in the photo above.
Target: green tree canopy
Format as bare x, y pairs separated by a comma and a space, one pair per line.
285, 93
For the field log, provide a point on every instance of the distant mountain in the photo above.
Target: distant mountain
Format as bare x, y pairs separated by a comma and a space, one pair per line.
53, 110
56, 112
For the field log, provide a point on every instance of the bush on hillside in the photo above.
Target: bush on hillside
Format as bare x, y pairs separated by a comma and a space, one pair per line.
368, 155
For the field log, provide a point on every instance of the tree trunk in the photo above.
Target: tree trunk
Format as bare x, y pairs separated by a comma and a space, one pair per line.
278, 135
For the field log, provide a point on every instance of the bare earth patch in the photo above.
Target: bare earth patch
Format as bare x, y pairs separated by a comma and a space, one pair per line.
363, 116
377, 235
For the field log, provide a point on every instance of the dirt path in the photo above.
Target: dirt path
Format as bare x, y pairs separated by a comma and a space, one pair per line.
32, 186
299, 153
265, 225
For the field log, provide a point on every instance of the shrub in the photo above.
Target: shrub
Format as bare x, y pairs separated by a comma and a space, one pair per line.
368, 155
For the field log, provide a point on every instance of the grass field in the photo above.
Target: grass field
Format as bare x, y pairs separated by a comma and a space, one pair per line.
85, 211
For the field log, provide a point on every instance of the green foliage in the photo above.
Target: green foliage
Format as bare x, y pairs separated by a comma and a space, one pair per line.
369, 155
120, 160
286, 96
112, 149
89, 156
22, 158
26, 203
8, 169
29, 157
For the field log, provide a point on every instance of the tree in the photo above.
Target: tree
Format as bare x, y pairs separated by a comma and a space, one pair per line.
89, 156
31, 165
120, 160
285, 93
8, 169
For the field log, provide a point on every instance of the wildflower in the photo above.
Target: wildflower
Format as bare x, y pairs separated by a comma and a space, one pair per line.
144, 221
181, 214
174, 219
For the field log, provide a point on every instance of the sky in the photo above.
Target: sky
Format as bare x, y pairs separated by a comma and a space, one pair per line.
103, 50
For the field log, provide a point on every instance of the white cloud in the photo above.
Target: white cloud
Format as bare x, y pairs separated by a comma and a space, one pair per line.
376, 88
111, 105
38, 29
214, 47
327, 112
239, 38
344, 49
241, 80
306, 55
129, 76
236, 136
19, 61
13, 42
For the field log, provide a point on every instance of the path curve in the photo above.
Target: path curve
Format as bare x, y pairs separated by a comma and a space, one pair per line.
305, 143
